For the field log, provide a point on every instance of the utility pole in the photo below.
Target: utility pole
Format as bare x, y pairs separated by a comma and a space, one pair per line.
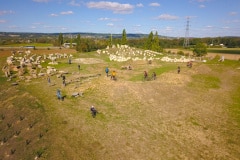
111, 40
186, 39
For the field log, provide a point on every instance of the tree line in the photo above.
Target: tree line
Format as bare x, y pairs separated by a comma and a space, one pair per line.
152, 41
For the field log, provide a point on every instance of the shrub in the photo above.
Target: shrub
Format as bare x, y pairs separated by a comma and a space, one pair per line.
180, 53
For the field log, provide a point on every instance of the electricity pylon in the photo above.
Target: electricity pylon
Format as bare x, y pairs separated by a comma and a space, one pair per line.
186, 39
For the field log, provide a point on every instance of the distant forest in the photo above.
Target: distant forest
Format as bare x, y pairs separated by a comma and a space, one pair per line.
94, 41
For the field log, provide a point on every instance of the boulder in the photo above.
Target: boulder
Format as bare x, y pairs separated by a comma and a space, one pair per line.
14, 83
76, 94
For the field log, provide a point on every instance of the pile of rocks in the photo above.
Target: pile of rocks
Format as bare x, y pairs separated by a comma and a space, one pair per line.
122, 53
26, 62
181, 59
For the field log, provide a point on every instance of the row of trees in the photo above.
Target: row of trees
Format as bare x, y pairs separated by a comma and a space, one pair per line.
152, 42
83, 44
87, 44
136, 40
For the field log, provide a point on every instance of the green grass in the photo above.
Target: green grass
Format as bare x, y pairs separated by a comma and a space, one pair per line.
166, 67
3, 79
29, 44
224, 50
137, 123
222, 66
226, 62
163, 69
204, 81
235, 106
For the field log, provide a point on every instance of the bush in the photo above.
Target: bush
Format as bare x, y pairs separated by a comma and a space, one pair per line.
180, 53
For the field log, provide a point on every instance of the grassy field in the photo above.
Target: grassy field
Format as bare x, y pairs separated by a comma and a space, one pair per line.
28, 44
224, 50
191, 115
228, 53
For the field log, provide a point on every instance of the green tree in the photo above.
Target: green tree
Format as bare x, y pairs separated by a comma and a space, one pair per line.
149, 41
155, 46
124, 37
60, 39
79, 47
200, 49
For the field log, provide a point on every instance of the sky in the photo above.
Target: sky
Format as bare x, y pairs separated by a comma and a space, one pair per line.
174, 18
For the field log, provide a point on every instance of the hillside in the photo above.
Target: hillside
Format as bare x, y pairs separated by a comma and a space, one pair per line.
191, 115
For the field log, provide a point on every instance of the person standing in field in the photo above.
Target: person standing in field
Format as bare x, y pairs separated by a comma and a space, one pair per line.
113, 76
154, 75
145, 75
178, 70
49, 80
59, 96
64, 80
107, 71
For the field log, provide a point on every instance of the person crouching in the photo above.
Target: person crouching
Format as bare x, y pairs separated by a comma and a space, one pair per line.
93, 111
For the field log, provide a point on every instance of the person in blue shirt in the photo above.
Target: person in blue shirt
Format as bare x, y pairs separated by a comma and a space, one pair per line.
59, 96
107, 71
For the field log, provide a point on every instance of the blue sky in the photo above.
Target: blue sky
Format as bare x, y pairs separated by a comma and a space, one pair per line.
207, 18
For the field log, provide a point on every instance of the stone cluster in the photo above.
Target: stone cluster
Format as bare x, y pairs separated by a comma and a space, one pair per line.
21, 62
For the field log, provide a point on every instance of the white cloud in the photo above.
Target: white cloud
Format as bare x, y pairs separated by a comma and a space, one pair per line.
233, 13
103, 19
209, 26
2, 21
40, 1
53, 15
108, 19
110, 24
6, 12
33, 27
202, 6
37, 23
225, 27
168, 29
154, 4
139, 5
63, 28
113, 6
46, 26
154, 30
166, 17
13, 27
232, 21
200, 1
67, 12
74, 3
137, 25
236, 21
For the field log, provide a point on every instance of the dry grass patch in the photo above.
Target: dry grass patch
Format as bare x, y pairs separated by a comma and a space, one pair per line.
176, 116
